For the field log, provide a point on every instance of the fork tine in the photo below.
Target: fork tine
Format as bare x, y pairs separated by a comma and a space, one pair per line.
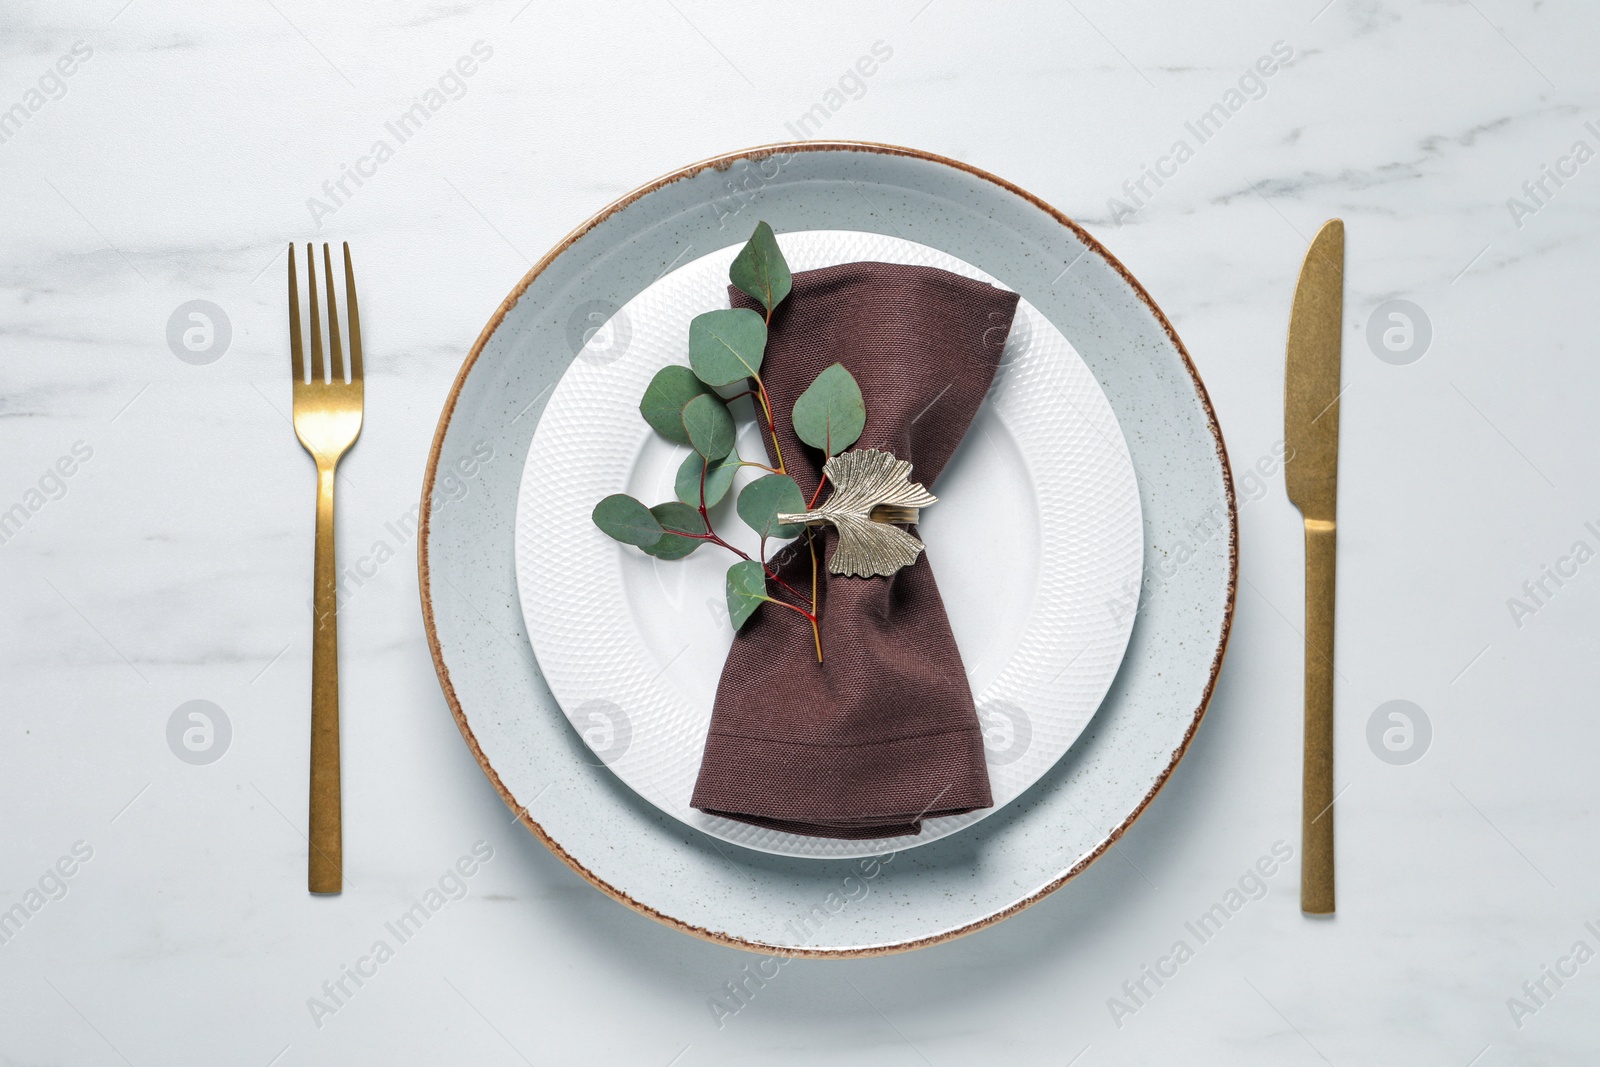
355, 318
296, 358
316, 319
336, 358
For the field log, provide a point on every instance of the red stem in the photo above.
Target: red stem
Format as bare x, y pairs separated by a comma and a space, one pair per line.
821, 481
785, 604
741, 553
772, 426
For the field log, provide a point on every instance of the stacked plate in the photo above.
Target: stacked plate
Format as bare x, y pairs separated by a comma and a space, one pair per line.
1084, 544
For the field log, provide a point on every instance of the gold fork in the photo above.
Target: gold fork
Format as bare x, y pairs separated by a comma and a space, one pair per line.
327, 419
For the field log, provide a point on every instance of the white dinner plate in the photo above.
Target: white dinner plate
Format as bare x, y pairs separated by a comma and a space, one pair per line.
1036, 542
631, 849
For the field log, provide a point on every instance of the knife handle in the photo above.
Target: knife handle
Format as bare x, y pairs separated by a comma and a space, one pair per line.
1316, 813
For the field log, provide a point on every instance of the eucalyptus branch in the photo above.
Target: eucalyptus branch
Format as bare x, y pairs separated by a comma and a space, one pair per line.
683, 404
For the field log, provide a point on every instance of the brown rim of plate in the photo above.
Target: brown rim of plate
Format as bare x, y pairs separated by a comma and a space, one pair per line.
722, 162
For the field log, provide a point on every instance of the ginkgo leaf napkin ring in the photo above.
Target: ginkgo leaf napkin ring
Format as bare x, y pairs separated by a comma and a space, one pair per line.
871, 491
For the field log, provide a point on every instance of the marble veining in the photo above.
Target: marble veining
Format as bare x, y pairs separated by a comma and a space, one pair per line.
174, 564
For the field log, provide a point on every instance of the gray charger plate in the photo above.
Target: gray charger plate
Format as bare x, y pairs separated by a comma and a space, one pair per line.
627, 847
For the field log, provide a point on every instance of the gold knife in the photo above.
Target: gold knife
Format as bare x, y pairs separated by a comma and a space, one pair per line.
1311, 476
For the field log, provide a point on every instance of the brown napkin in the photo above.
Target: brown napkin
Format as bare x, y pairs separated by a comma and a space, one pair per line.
882, 733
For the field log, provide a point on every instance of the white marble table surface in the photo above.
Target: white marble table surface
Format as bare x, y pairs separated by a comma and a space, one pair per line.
173, 563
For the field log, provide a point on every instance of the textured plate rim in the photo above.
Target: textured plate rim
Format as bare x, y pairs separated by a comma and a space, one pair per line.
723, 162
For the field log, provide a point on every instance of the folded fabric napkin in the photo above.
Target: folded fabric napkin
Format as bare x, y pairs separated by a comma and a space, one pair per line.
883, 733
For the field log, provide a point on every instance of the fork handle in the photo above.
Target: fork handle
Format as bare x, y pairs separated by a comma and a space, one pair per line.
325, 858
1316, 833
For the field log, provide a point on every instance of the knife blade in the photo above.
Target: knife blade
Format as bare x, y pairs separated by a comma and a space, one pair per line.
1311, 476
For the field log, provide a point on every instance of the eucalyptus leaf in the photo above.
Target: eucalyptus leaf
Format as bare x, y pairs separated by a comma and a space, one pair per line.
719, 478
726, 346
664, 400
747, 588
676, 518
831, 414
763, 500
709, 426
760, 270
625, 519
